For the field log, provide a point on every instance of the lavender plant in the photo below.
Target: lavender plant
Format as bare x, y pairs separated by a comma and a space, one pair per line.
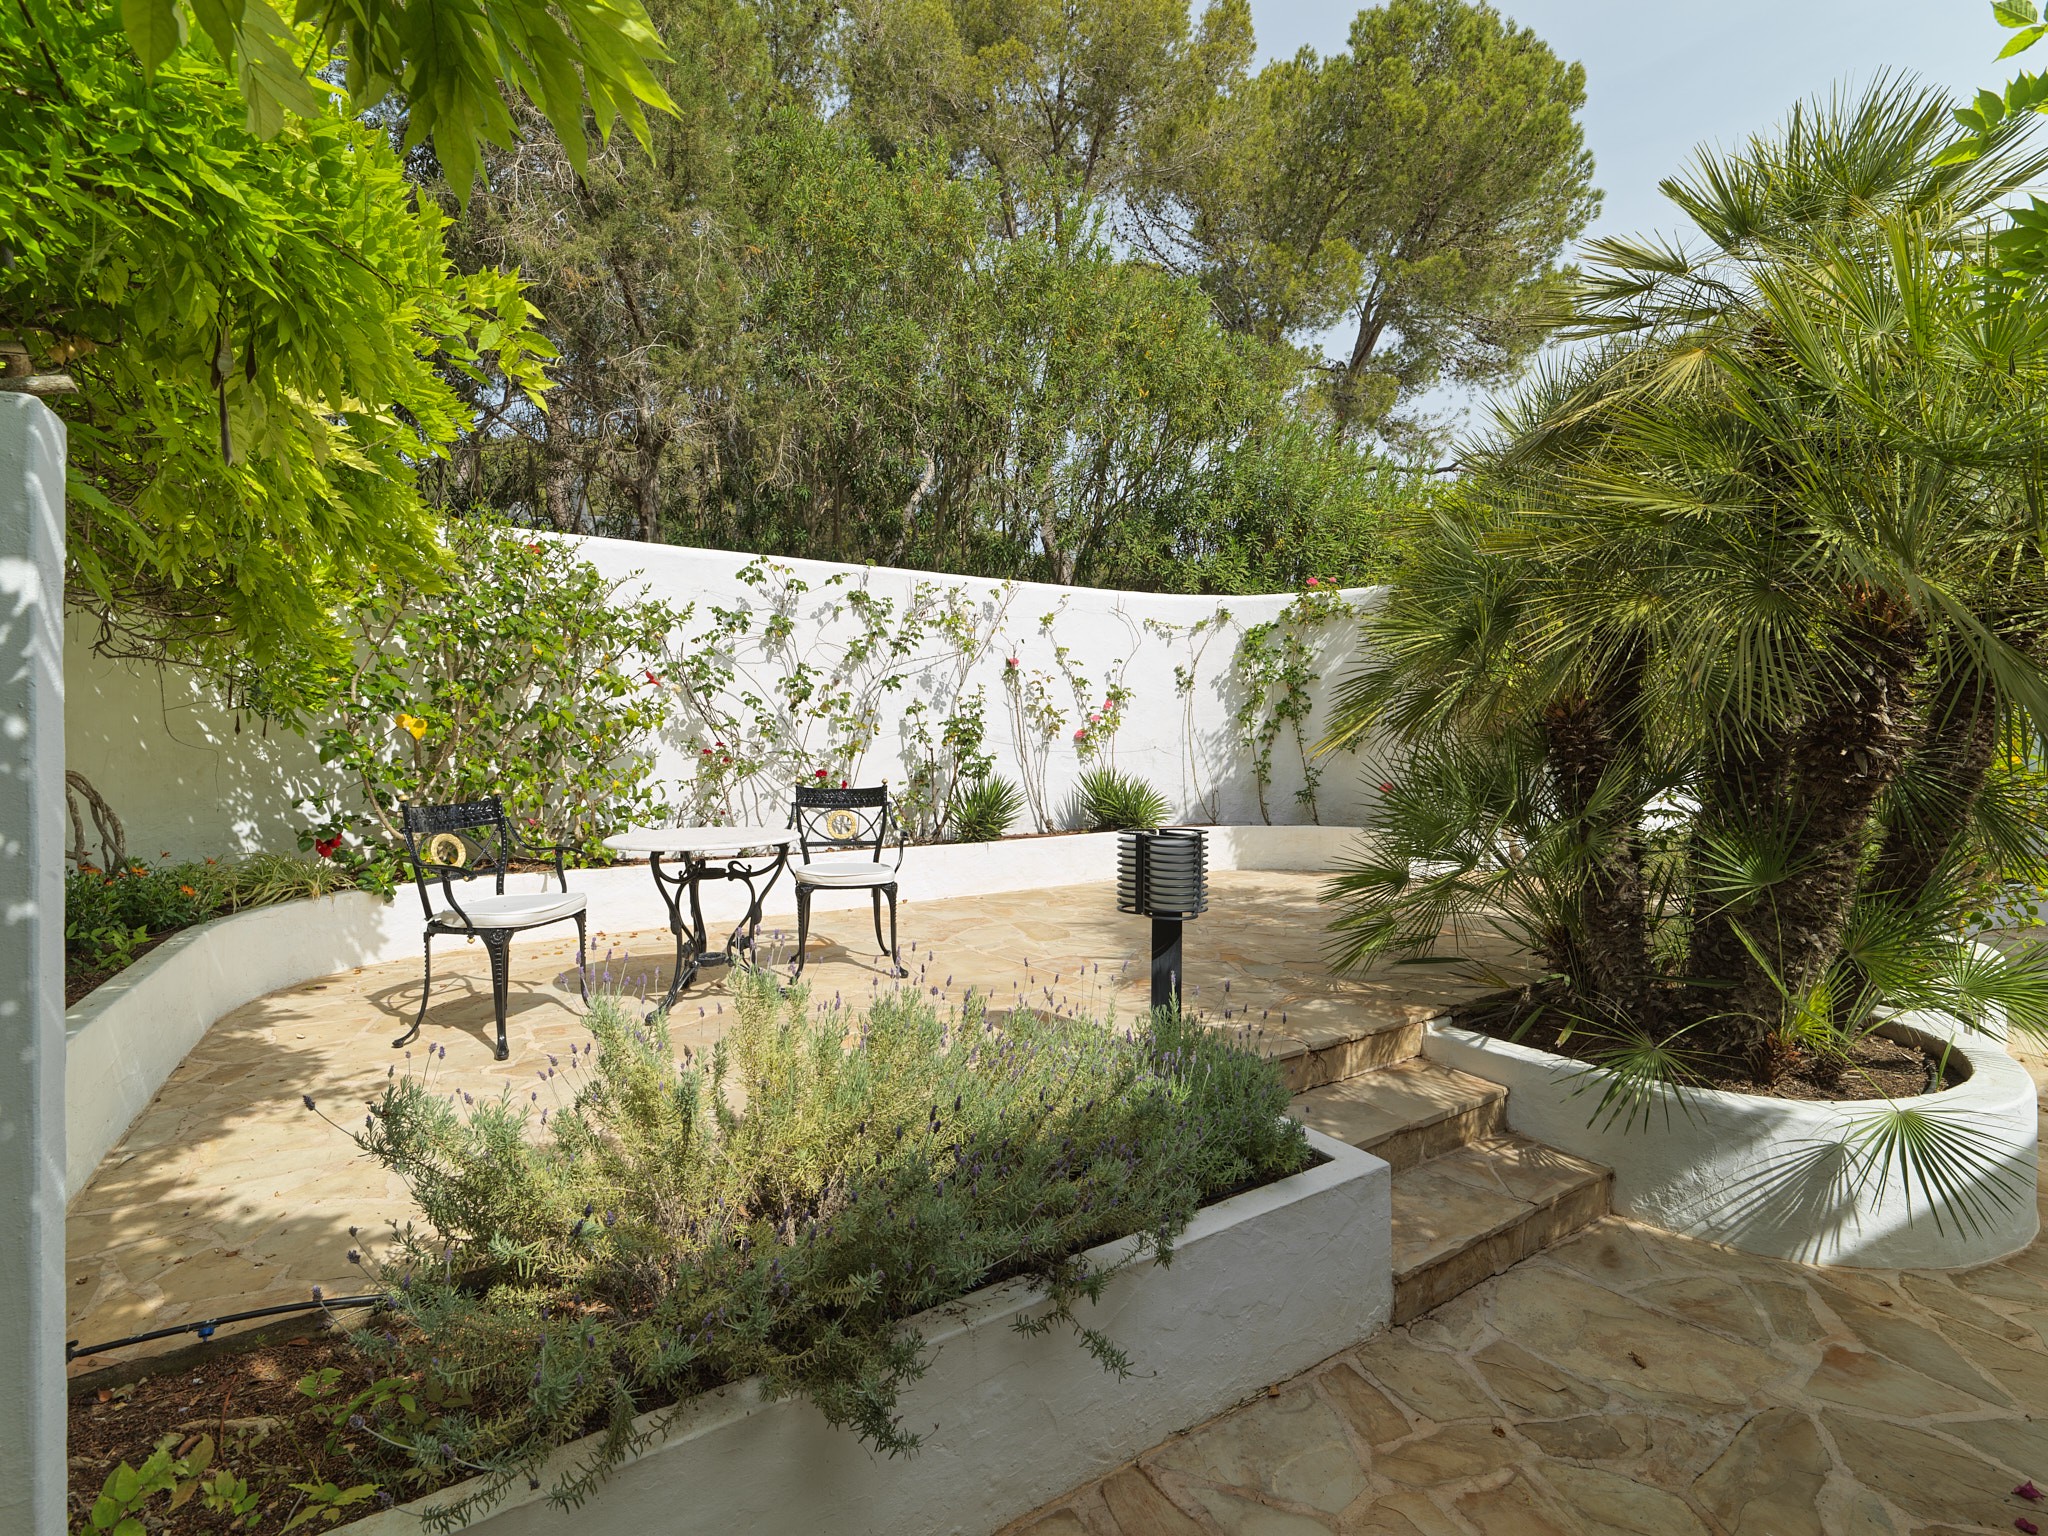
780, 1209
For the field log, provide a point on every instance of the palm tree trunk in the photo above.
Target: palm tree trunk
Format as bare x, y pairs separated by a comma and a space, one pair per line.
1948, 770
1825, 783
1587, 736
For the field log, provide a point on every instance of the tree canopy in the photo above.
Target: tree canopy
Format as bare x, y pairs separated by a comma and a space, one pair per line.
450, 63
263, 331
1419, 188
883, 289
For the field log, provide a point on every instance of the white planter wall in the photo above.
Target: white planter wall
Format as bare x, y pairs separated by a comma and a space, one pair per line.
1776, 1176
191, 779
1261, 1286
126, 1038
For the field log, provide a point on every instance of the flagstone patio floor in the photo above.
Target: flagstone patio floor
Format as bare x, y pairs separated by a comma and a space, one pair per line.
227, 1194
1631, 1383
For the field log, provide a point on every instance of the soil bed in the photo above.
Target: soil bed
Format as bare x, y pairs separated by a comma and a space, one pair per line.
264, 1430
1876, 1068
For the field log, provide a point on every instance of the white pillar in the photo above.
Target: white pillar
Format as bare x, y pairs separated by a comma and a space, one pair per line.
32, 822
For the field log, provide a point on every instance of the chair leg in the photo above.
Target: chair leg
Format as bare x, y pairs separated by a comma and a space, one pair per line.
582, 958
500, 946
875, 893
426, 985
895, 953
803, 929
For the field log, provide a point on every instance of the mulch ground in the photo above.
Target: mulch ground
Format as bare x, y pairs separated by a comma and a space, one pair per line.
248, 1402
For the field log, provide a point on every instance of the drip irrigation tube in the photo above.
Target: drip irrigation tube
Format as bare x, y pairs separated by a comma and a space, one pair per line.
205, 1327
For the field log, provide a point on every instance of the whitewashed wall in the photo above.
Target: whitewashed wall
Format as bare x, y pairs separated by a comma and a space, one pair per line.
189, 778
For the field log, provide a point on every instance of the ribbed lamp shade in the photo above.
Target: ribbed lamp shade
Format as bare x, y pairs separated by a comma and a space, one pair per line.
1163, 874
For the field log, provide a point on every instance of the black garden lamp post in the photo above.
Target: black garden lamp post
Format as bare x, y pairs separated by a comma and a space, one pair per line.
1164, 875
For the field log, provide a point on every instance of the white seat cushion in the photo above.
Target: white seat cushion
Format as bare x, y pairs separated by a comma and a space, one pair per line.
523, 909
854, 872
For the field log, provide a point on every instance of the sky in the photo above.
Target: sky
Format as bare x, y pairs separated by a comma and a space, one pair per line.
1662, 78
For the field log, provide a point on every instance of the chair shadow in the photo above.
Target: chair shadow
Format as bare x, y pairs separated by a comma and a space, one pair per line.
462, 1003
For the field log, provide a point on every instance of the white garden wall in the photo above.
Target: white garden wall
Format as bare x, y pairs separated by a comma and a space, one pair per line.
190, 778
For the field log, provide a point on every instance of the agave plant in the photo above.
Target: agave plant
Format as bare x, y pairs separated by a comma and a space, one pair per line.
985, 809
1719, 676
1106, 800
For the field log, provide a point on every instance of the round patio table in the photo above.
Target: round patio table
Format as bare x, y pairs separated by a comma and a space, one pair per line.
697, 854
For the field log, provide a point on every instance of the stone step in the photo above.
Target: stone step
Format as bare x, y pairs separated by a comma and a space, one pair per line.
1324, 1042
1407, 1112
1470, 1213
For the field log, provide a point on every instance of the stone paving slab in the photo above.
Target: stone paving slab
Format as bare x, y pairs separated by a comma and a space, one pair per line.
1632, 1383
226, 1194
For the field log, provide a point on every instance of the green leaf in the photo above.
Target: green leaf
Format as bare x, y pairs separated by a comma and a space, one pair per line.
155, 29
2015, 13
2022, 41
221, 21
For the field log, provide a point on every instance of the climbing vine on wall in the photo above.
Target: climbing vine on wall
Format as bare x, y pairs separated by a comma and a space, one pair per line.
1275, 673
772, 696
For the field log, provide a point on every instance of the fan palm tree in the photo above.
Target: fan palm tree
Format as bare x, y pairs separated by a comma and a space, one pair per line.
1714, 674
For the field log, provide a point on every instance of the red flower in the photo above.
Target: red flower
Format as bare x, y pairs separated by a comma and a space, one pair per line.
1011, 662
821, 773
652, 680
842, 783
707, 751
326, 846
1311, 581
1386, 788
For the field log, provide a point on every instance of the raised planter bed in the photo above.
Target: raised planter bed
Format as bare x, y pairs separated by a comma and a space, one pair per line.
1261, 1285
1774, 1176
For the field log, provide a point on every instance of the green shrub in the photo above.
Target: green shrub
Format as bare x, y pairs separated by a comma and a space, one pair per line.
781, 1209
984, 810
1108, 801
110, 914
525, 679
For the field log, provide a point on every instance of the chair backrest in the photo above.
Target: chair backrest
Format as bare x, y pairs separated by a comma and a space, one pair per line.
456, 842
841, 820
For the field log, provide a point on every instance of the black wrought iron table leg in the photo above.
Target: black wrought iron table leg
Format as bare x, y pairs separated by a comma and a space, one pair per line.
688, 945
750, 925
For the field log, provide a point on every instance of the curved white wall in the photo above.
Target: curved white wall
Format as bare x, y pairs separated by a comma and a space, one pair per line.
192, 779
1781, 1177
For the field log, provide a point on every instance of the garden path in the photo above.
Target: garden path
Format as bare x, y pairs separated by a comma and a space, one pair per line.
1631, 1383
227, 1194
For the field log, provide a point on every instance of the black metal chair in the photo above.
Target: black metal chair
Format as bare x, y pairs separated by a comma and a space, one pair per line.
842, 823
468, 842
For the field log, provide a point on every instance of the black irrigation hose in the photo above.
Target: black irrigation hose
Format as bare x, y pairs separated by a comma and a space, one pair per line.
204, 1329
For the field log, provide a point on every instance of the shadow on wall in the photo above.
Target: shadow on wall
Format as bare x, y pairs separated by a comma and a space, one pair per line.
185, 776
789, 671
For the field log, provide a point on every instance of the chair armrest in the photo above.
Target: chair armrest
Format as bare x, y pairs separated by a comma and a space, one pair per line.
560, 851
448, 890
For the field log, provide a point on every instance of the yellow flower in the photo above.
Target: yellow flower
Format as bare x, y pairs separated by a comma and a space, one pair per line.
412, 723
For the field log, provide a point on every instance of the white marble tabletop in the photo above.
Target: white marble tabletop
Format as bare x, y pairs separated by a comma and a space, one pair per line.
666, 840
